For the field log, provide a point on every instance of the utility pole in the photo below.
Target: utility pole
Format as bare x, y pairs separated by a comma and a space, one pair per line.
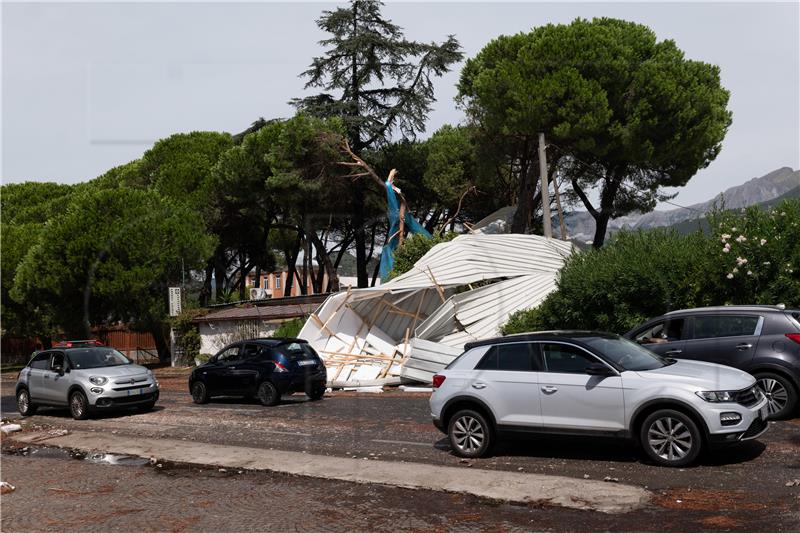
561, 224
546, 222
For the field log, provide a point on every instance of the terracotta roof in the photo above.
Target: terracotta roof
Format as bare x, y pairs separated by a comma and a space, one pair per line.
282, 308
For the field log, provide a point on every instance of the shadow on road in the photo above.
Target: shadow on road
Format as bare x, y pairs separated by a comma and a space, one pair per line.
606, 449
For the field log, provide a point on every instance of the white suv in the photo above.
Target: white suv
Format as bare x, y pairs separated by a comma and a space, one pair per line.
589, 383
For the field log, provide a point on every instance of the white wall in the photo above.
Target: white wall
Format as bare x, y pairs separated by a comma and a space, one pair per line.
216, 335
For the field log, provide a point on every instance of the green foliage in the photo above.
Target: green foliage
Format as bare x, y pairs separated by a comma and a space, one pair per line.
644, 274
110, 257
450, 164
626, 113
180, 167
33, 202
187, 333
762, 261
413, 249
389, 90
290, 329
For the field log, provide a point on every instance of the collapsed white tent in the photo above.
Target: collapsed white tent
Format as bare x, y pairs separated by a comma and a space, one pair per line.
413, 325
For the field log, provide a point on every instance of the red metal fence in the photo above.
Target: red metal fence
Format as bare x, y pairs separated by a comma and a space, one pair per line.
135, 344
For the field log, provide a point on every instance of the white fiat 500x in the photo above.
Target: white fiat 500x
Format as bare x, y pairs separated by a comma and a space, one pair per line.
590, 383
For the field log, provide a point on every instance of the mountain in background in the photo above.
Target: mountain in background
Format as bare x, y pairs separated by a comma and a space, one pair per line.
768, 189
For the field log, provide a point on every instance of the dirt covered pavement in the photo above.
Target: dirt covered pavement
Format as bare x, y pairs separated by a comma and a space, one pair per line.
751, 486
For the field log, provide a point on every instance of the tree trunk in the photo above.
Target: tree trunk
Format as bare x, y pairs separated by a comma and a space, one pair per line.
243, 271
522, 216
160, 336
601, 225
205, 292
607, 195
219, 272
360, 236
291, 260
322, 253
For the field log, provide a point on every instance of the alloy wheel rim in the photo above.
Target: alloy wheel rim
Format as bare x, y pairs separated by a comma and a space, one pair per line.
669, 438
77, 404
468, 434
776, 393
22, 402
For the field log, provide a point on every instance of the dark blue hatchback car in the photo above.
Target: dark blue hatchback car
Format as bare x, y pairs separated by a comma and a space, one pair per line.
263, 368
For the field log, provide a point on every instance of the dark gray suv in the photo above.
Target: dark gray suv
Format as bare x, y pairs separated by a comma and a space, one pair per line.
762, 340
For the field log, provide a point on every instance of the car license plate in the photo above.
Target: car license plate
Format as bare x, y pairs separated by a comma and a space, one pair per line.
762, 413
307, 362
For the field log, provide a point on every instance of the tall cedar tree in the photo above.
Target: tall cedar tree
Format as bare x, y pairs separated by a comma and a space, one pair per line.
383, 85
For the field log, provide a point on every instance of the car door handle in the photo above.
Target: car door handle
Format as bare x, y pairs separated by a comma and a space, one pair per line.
549, 389
479, 385
673, 352
744, 346
232, 367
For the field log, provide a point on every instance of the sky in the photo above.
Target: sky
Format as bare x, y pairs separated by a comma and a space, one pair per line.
89, 86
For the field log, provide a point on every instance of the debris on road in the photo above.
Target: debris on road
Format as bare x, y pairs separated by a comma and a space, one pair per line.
793, 483
609, 479
10, 428
5, 487
414, 325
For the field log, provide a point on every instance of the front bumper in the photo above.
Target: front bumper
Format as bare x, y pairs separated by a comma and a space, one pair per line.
107, 397
754, 423
105, 402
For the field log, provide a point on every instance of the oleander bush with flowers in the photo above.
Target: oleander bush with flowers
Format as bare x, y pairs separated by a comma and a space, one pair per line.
750, 256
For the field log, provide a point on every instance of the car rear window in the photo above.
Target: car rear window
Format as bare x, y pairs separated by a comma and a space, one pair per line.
517, 356
711, 326
297, 351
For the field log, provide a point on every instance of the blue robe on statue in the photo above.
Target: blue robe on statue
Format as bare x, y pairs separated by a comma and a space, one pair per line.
411, 224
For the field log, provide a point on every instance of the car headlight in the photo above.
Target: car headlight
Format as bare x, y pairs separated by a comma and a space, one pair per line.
98, 380
717, 395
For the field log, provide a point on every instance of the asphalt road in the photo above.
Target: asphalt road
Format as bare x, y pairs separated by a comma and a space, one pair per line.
741, 486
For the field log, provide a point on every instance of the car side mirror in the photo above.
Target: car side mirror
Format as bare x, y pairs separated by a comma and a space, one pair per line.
59, 370
598, 369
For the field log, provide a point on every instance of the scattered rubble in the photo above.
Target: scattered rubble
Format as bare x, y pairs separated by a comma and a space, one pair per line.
5, 487
414, 325
10, 428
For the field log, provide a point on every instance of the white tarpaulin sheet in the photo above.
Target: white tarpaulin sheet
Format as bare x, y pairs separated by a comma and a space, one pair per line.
459, 291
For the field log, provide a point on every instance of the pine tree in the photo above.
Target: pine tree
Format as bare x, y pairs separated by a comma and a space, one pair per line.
377, 82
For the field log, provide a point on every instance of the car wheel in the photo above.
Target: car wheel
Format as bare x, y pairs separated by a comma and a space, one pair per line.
24, 404
268, 394
670, 438
780, 393
470, 434
199, 392
78, 406
316, 392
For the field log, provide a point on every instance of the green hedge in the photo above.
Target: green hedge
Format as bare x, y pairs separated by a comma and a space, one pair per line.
750, 257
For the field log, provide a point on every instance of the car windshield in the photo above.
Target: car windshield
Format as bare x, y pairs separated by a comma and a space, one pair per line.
96, 358
626, 354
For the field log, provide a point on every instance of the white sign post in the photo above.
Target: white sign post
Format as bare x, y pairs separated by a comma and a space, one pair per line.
174, 310
174, 301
